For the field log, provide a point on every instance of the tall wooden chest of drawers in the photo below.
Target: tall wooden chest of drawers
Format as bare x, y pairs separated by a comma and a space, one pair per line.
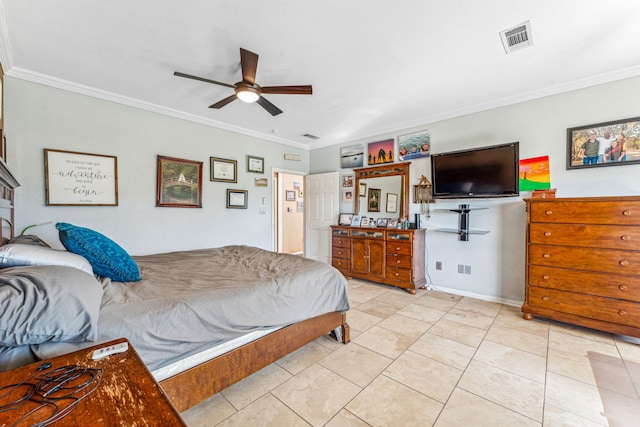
390, 256
583, 262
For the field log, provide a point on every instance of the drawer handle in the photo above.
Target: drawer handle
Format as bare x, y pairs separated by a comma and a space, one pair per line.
622, 313
624, 262
625, 237
545, 298
626, 213
622, 287
547, 233
549, 212
397, 249
397, 261
396, 274
546, 255
545, 277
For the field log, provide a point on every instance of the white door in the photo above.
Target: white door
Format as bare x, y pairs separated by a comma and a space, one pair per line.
322, 199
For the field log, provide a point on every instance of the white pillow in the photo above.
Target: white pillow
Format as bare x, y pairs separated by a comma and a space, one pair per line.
48, 233
16, 255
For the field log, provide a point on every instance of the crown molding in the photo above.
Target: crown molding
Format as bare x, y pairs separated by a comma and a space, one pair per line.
43, 79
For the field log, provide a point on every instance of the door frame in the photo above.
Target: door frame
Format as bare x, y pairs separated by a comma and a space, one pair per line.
276, 220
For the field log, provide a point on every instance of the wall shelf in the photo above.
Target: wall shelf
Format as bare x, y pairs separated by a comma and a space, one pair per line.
463, 231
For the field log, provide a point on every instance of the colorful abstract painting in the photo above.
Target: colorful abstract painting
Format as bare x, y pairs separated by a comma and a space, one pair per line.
534, 174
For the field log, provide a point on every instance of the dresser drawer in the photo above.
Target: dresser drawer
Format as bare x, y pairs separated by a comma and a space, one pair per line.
367, 234
340, 263
400, 235
595, 236
604, 260
399, 248
340, 242
586, 212
338, 252
593, 307
602, 284
398, 274
399, 261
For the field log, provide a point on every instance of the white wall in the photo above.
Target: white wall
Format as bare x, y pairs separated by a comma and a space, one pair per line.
497, 259
39, 117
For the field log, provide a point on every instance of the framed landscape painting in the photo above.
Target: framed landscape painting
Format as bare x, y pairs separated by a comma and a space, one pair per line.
179, 183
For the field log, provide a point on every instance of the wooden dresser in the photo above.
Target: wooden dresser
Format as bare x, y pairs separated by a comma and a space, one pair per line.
583, 262
390, 256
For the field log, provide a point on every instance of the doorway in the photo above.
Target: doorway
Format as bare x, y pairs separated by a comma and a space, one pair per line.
288, 212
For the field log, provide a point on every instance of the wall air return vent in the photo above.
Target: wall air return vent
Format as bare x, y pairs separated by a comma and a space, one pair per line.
517, 37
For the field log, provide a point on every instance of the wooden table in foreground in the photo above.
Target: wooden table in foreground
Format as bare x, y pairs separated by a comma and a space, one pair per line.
127, 395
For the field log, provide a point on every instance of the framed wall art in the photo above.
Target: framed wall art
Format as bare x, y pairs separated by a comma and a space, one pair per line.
612, 143
237, 199
179, 183
362, 192
347, 196
352, 156
373, 200
392, 203
291, 195
255, 164
80, 179
223, 170
380, 152
414, 145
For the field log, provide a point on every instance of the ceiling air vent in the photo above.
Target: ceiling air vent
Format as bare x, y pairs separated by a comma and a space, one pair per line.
308, 135
517, 37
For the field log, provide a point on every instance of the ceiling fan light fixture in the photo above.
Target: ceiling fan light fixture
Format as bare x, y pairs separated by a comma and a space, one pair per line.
247, 94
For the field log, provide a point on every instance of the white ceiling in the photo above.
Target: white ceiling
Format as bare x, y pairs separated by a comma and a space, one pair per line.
376, 66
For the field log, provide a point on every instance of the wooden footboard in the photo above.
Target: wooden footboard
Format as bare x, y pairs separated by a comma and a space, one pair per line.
194, 385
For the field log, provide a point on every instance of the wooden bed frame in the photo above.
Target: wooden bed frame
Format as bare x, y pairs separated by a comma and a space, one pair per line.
196, 384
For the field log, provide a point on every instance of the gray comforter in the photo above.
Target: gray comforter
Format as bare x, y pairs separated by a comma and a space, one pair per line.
189, 301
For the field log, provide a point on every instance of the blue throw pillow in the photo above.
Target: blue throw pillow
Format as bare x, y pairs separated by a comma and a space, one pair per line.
106, 257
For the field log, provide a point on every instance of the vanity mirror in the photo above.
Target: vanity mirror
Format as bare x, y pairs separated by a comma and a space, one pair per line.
383, 191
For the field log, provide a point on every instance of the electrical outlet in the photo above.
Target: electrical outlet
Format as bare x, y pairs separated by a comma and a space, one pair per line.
467, 269
460, 268
438, 265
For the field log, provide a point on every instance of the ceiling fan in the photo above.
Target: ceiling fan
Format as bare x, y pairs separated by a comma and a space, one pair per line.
248, 90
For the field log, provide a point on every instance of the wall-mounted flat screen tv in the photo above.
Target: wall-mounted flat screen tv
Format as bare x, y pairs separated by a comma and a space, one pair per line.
479, 172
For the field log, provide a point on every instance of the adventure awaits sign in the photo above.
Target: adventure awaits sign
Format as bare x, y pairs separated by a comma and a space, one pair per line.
80, 179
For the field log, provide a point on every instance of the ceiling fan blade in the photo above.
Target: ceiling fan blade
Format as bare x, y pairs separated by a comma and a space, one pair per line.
224, 102
202, 79
272, 109
288, 90
249, 62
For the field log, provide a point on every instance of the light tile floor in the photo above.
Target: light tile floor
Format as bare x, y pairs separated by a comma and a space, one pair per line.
436, 359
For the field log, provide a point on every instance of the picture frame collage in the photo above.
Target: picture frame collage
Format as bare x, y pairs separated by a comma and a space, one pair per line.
178, 175
179, 181
410, 146
349, 219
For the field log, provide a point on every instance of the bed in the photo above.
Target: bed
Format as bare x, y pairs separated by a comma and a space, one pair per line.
201, 320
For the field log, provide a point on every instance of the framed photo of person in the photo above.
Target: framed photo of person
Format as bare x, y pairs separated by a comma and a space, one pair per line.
604, 144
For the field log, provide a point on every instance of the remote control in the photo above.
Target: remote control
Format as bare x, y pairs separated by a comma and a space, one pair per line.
108, 351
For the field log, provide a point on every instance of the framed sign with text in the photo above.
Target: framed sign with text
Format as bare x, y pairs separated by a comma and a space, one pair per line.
80, 179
